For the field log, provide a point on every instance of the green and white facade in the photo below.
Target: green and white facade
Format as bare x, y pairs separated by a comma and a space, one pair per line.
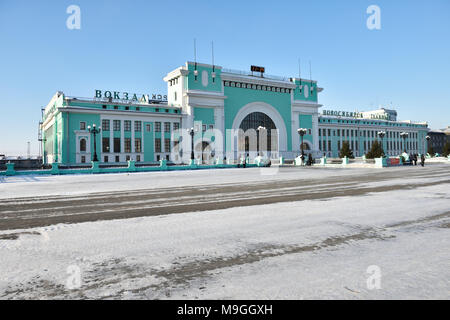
361, 129
224, 107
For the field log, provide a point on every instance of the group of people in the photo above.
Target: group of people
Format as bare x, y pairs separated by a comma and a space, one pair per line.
309, 159
414, 157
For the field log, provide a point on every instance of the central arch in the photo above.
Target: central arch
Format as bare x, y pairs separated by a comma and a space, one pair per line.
269, 111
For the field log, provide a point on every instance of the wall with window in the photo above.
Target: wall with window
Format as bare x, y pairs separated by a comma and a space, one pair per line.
305, 90
237, 98
204, 79
74, 124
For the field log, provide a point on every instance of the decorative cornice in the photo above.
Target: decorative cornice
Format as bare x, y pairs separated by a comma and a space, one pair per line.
205, 94
256, 80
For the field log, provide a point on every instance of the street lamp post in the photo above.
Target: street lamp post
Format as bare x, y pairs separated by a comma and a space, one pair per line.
192, 132
302, 132
404, 135
428, 141
94, 131
381, 134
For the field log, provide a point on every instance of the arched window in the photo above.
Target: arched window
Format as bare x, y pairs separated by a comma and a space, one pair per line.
253, 121
83, 145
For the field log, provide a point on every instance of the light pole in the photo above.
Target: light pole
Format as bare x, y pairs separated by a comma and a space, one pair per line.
258, 130
428, 142
381, 134
192, 132
404, 135
94, 131
302, 132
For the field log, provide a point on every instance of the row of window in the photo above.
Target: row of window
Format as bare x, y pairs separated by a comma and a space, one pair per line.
255, 87
137, 126
106, 145
392, 124
173, 82
391, 145
363, 133
128, 108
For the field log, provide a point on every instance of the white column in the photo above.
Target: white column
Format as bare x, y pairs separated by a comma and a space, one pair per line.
219, 124
122, 137
132, 137
315, 131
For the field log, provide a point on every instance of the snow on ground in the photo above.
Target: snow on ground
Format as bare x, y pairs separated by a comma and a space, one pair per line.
46, 185
297, 250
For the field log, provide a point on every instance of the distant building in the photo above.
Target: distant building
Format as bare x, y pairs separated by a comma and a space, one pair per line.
447, 133
438, 138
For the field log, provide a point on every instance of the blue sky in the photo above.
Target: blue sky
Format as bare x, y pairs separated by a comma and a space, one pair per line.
131, 45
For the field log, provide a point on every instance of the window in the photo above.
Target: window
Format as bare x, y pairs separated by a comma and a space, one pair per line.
138, 126
127, 158
137, 144
148, 127
105, 144
158, 157
127, 125
82, 125
105, 159
117, 159
157, 126
138, 158
175, 96
83, 159
166, 126
116, 107
211, 127
204, 127
83, 145
105, 125
176, 125
117, 145
167, 145
116, 125
157, 145
127, 145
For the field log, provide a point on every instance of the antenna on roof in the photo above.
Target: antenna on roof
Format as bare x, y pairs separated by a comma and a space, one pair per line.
300, 74
195, 60
310, 72
212, 53
213, 67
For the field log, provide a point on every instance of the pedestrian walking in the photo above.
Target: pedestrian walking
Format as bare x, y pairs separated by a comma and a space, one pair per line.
422, 160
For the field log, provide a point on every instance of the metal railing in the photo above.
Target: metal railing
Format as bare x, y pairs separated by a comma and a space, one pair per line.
256, 75
119, 101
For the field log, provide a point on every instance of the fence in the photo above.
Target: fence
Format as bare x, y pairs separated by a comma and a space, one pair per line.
131, 167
